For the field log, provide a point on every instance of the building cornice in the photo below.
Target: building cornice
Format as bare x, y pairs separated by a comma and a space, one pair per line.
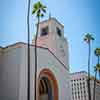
52, 18
81, 72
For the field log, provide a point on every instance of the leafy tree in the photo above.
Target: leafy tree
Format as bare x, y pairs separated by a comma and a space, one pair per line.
88, 38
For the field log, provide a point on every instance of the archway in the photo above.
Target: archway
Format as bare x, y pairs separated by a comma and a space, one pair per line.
47, 86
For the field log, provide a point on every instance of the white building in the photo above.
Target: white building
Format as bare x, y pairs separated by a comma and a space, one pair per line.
53, 66
79, 86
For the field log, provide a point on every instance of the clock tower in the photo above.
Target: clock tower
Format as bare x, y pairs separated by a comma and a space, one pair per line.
51, 36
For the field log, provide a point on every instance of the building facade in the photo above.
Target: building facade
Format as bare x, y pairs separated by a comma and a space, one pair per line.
53, 81
79, 86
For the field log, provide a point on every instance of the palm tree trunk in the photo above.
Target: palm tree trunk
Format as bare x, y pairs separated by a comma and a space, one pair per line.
28, 53
95, 81
98, 64
89, 55
35, 81
94, 85
99, 74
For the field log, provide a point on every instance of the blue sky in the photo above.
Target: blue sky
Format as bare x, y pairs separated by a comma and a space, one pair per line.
78, 17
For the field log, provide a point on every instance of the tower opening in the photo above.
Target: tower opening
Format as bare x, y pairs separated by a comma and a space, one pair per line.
44, 31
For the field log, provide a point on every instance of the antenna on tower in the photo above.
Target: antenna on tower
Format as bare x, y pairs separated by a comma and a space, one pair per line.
49, 15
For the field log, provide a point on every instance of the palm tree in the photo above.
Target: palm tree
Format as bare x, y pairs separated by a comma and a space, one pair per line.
38, 9
97, 53
28, 52
88, 38
97, 69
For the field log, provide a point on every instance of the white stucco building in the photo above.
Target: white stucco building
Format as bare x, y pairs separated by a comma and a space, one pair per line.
79, 86
53, 81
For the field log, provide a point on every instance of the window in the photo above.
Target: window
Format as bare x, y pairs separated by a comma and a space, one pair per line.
44, 31
74, 84
79, 97
58, 32
84, 92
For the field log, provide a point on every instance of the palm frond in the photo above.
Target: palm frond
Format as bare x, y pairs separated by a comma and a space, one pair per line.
33, 11
44, 7
88, 37
44, 10
97, 51
98, 67
42, 15
35, 6
95, 68
39, 9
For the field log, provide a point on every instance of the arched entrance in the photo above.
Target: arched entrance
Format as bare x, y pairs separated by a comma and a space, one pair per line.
47, 86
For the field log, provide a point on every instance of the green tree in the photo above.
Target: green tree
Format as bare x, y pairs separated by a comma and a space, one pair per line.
39, 10
88, 38
97, 69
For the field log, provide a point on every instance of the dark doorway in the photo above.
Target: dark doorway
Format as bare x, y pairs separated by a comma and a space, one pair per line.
45, 89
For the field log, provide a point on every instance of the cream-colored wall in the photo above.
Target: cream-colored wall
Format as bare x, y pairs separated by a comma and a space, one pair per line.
64, 57
10, 73
15, 72
61, 74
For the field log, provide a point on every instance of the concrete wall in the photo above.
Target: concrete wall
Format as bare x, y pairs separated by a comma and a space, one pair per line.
14, 72
11, 60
